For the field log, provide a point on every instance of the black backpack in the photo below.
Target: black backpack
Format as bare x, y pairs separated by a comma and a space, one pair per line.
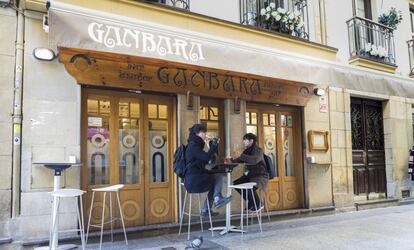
179, 161
270, 167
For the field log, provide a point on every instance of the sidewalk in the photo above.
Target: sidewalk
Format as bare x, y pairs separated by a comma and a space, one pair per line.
383, 228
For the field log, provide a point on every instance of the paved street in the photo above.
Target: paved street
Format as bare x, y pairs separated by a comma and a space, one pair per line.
384, 228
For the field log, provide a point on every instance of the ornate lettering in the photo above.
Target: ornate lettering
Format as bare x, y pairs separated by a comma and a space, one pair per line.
228, 84
180, 79
194, 76
163, 75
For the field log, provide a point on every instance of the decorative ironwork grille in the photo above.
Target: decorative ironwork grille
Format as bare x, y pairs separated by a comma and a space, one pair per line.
182, 4
411, 55
371, 40
250, 14
357, 127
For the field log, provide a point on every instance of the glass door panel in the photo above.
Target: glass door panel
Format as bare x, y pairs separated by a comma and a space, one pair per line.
269, 135
98, 139
157, 143
129, 141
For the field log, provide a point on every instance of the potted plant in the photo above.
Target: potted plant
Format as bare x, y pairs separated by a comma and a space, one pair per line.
392, 19
281, 20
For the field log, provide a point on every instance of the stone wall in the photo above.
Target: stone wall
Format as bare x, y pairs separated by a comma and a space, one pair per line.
8, 25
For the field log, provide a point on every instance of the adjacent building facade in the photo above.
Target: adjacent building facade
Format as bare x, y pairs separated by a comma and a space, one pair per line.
326, 88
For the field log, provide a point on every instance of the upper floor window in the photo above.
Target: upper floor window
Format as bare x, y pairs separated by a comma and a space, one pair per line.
283, 16
412, 20
182, 4
362, 8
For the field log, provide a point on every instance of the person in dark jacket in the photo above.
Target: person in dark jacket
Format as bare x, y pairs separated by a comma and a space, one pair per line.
197, 179
256, 171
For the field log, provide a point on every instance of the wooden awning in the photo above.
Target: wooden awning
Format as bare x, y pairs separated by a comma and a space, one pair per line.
147, 74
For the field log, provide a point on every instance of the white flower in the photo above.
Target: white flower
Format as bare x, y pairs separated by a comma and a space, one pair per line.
292, 27
272, 5
274, 14
291, 16
267, 16
268, 9
280, 10
278, 17
296, 13
367, 47
263, 12
374, 50
301, 24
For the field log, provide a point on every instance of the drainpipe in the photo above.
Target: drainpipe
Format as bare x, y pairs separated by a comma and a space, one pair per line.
17, 115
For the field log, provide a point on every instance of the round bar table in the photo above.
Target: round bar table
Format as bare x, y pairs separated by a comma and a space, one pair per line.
57, 167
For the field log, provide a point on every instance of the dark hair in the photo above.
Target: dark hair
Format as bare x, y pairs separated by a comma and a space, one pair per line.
250, 136
197, 128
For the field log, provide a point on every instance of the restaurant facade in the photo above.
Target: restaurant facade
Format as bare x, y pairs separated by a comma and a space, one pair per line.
131, 77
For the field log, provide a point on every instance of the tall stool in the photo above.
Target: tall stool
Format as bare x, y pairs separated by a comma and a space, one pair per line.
189, 214
244, 189
263, 195
104, 190
67, 193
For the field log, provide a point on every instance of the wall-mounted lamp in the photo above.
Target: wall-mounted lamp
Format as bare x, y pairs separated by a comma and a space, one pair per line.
319, 92
44, 54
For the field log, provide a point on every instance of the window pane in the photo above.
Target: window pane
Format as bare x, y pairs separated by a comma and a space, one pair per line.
134, 110
93, 107
247, 118
272, 120
129, 158
283, 120
162, 111
104, 108
123, 109
254, 118
203, 113
265, 119
251, 129
158, 150
152, 111
288, 151
270, 145
214, 113
98, 142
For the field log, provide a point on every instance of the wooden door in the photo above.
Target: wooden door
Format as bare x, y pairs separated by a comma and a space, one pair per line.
127, 139
278, 131
368, 154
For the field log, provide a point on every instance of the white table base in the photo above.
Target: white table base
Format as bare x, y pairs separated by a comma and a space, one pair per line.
228, 228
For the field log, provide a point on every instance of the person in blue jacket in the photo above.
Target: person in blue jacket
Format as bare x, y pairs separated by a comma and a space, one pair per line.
197, 179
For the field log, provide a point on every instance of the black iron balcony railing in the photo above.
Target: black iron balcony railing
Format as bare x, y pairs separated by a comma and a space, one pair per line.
284, 16
182, 4
410, 44
371, 40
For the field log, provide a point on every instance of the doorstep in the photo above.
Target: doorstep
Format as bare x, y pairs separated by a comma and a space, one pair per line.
170, 228
380, 203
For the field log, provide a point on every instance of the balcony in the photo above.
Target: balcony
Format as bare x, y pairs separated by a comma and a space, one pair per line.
284, 16
371, 44
410, 44
181, 4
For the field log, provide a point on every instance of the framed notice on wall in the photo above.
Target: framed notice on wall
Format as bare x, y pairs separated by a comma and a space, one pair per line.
318, 140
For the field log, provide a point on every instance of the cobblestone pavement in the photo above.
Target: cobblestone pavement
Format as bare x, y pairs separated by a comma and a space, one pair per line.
383, 228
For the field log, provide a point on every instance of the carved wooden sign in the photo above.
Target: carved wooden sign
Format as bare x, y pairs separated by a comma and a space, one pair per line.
122, 71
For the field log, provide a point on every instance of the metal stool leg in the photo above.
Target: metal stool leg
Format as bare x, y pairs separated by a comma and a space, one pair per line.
103, 219
80, 226
83, 224
257, 212
199, 211
110, 216
122, 217
89, 219
209, 216
241, 212
53, 244
182, 213
189, 218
